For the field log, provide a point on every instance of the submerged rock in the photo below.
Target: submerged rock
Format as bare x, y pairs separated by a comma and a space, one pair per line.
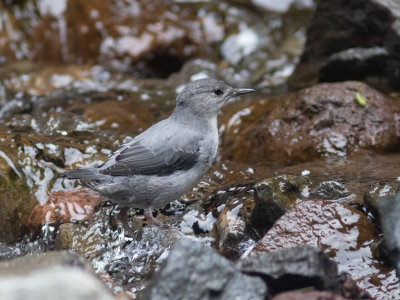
54, 275
325, 120
194, 271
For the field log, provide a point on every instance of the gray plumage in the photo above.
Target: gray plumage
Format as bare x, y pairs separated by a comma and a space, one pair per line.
169, 158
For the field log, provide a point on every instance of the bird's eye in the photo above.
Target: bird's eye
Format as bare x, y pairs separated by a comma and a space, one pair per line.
217, 92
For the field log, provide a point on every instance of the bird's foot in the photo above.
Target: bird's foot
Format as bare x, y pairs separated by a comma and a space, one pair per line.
148, 214
123, 217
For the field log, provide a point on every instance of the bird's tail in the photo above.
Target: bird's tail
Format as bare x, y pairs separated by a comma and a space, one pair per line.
84, 174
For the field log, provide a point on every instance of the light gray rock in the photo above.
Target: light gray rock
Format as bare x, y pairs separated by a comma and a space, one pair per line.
53, 275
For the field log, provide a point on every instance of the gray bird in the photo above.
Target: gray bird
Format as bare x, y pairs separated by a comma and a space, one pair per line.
164, 162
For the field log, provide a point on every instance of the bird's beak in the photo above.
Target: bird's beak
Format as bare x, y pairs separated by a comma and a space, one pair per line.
237, 92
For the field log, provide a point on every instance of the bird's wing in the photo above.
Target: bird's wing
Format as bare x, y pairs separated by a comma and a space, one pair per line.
165, 156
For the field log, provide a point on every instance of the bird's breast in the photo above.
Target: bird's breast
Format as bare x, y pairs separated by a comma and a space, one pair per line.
208, 151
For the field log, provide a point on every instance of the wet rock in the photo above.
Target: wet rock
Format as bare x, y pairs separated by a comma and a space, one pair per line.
314, 295
351, 290
329, 190
125, 106
16, 200
57, 275
320, 221
274, 197
299, 267
389, 211
132, 112
233, 231
324, 120
65, 239
362, 38
35, 149
380, 252
63, 207
344, 232
30, 163
91, 239
223, 214
373, 197
24, 79
194, 271
127, 262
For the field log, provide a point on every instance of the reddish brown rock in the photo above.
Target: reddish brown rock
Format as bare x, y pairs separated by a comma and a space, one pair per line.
131, 112
120, 116
344, 232
63, 207
321, 224
324, 120
314, 295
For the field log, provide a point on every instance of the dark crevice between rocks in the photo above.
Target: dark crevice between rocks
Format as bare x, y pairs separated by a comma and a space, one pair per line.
290, 282
160, 65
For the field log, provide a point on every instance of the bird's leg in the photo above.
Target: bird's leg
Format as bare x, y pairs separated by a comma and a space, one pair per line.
148, 214
123, 217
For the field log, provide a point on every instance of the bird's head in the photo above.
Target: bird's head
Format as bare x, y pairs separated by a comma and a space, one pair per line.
205, 97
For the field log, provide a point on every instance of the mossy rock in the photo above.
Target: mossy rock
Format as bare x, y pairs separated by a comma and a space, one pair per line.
16, 201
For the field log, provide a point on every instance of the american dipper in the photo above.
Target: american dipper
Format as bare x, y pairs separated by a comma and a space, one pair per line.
164, 162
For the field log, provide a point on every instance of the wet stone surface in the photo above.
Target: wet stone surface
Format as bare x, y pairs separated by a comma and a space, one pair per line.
373, 198
324, 120
63, 207
324, 224
275, 196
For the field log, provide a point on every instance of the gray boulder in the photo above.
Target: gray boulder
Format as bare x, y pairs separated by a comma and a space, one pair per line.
53, 275
195, 271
